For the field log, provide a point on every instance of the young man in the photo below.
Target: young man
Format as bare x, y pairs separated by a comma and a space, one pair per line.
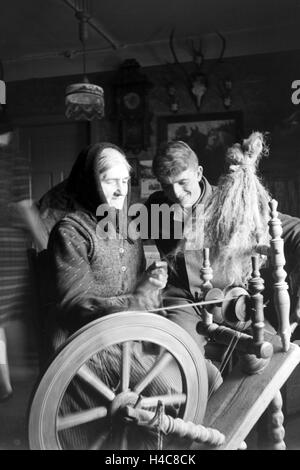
186, 191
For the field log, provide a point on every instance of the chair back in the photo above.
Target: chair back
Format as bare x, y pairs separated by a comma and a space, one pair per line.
39, 277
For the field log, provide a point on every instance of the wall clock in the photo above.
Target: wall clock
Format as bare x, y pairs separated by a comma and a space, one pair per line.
131, 88
131, 100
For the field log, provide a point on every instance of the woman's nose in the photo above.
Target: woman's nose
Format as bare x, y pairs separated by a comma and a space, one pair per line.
121, 188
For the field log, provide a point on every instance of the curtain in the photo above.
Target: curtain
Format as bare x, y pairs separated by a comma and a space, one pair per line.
14, 241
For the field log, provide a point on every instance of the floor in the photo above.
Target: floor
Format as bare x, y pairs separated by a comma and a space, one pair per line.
13, 415
13, 412
292, 439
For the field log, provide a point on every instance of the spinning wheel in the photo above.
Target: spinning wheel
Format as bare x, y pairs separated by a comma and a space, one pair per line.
125, 339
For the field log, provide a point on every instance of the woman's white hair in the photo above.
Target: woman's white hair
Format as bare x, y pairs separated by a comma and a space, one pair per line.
108, 160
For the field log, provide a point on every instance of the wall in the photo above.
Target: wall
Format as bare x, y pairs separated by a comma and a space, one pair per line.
261, 90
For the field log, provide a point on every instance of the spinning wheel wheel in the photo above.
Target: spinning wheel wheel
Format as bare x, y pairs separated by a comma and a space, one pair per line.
148, 359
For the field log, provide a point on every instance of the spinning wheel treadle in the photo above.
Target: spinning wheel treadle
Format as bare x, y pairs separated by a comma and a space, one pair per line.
167, 346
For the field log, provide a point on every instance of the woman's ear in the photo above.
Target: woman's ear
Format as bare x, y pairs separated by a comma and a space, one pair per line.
199, 172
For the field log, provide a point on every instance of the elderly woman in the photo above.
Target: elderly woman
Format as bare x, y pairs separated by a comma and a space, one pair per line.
95, 272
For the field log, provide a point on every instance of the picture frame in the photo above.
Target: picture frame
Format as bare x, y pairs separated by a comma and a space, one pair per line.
149, 184
209, 136
132, 134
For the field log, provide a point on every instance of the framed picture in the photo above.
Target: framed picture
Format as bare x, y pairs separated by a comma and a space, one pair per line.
149, 183
134, 134
209, 135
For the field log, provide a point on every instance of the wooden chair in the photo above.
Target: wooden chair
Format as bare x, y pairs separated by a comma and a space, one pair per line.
38, 279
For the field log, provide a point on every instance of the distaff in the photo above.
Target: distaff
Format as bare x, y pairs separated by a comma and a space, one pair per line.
281, 296
280, 287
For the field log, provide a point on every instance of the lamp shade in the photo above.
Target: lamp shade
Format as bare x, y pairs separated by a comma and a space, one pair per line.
84, 101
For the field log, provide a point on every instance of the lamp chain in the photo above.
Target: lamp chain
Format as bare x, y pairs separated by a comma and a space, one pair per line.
83, 33
82, 15
84, 101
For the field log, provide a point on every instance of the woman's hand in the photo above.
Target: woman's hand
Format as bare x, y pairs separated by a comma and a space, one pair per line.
154, 278
147, 292
158, 274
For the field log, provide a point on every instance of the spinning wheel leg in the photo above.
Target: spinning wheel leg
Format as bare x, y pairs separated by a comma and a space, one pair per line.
270, 427
277, 431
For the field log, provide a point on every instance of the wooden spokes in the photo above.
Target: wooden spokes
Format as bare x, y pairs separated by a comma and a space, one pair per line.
175, 399
93, 380
147, 359
124, 439
125, 371
99, 441
124, 354
81, 417
155, 370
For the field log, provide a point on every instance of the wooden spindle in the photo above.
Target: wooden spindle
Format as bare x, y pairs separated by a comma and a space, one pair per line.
281, 296
225, 335
206, 274
206, 271
256, 286
176, 426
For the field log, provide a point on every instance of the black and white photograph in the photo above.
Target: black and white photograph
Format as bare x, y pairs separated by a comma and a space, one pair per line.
149, 228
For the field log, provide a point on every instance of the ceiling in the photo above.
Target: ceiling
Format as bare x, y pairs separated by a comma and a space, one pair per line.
40, 38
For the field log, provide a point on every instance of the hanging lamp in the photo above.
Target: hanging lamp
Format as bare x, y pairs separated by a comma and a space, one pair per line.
84, 101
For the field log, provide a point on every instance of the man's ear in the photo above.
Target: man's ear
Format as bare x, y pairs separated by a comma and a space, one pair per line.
199, 172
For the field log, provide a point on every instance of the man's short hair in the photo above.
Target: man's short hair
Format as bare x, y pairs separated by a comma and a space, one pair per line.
173, 158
